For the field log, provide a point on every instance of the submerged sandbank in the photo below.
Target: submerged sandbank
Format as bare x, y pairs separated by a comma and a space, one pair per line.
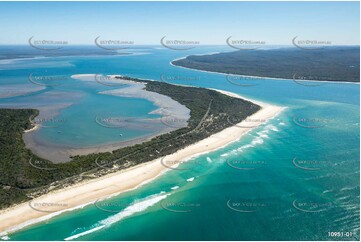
124, 88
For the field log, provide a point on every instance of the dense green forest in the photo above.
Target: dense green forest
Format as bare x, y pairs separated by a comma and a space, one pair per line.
327, 64
21, 180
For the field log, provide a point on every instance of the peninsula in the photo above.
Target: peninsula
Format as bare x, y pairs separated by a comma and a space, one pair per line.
29, 181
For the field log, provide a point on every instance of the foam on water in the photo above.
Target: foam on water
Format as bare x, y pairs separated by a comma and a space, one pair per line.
258, 139
136, 207
272, 127
85, 232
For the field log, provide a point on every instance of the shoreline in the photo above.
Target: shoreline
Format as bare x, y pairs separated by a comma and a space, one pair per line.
258, 77
87, 192
36, 127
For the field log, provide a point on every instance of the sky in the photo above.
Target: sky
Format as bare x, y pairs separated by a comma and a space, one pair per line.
206, 22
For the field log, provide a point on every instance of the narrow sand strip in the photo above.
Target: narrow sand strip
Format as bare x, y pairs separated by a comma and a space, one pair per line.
87, 192
36, 127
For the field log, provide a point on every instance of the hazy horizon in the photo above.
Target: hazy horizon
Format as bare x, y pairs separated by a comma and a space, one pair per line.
209, 23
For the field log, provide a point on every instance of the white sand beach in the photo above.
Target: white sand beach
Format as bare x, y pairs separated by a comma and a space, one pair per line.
88, 192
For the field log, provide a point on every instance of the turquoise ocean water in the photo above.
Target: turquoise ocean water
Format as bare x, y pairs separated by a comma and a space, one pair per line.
294, 178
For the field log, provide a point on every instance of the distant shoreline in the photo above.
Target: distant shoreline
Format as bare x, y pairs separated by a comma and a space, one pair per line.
87, 192
259, 77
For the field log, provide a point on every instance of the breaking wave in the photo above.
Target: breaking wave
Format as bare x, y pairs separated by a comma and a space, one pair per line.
136, 207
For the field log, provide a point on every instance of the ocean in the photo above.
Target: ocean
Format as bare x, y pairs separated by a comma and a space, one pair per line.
296, 177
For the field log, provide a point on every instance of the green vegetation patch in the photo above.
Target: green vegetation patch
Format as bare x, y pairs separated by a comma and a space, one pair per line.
327, 64
25, 175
